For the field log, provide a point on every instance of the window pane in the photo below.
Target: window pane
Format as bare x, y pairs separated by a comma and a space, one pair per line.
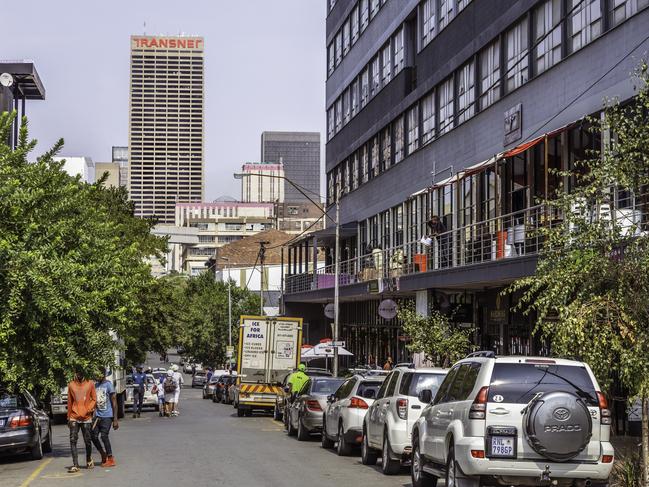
584, 23
397, 42
445, 12
398, 139
466, 92
365, 14
376, 76
365, 87
517, 56
339, 114
374, 156
446, 106
428, 21
413, 129
386, 148
354, 24
428, 118
387, 65
547, 35
354, 98
339, 48
346, 37
489, 60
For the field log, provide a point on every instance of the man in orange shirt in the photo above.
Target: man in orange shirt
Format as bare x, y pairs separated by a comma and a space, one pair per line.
82, 400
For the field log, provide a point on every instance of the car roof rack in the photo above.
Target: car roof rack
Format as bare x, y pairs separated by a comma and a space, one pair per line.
482, 353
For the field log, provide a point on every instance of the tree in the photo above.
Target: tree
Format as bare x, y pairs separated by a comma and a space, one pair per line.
590, 292
72, 268
441, 341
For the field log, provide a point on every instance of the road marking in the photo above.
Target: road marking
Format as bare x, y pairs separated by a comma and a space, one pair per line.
35, 473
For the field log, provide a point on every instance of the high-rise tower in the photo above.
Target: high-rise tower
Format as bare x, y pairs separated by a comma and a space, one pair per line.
165, 124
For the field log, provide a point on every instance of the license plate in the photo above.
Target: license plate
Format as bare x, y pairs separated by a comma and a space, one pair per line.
502, 446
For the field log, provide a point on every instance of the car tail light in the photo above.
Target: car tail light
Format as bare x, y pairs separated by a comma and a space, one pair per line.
402, 408
607, 458
313, 405
478, 409
477, 453
357, 403
19, 421
604, 411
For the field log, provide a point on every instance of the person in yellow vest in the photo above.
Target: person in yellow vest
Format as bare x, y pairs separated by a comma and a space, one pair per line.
297, 379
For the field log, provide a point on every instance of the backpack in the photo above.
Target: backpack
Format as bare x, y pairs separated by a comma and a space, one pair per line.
169, 385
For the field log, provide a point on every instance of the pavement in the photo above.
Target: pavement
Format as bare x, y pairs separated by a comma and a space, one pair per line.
206, 445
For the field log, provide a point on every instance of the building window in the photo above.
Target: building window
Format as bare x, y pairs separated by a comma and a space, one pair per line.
346, 107
386, 148
374, 7
398, 139
584, 23
461, 5
365, 14
330, 57
339, 114
466, 92
339, 48
445, 12
330, 123
354, 22
489, 60
620, 10
346, 37
547, 35
330, 188
365, 86
413, 129
376, 75
397, 43
445, 117
517, 56
345, 178
354, 98
355, 171
374, 156
428, 22
364, 164
428, 118
387, 64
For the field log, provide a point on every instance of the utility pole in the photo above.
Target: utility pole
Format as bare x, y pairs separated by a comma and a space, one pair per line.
336, 279
227, 260
262, 257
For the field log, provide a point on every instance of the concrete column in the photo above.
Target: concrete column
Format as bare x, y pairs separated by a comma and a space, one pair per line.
421, 306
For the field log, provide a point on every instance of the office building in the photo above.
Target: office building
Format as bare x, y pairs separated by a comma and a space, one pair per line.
120, 157
112, 171
462, 110
165, 142
79, 166
299, 153
262, 182
298, 218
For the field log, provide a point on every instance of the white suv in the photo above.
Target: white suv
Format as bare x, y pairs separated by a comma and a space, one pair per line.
388, 423
514, 421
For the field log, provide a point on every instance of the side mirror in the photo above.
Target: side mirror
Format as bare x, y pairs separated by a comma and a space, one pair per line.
331, 398
369, 393
425, 396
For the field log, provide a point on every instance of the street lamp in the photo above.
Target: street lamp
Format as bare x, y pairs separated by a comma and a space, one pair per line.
227, 265
336, 221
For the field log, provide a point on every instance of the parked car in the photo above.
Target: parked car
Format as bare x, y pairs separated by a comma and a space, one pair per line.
343, 417
199, 379
59, 406
150, 398
517, 420
366, 371
24, 424
191, 367
280, 399
387, 426
222, 388
208, 388
304, 414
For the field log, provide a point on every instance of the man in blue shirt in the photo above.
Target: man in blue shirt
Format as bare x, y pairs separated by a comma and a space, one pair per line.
105, 417
139, 386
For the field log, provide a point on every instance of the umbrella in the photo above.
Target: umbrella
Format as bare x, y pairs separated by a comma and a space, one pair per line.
324, 350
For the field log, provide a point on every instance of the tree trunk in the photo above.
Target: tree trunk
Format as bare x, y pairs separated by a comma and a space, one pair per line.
645, 441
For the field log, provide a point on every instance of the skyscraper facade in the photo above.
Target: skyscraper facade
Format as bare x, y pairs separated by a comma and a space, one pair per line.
165, 124
299, 152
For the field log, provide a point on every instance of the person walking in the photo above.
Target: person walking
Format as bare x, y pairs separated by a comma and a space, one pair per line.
139, 386
160, 391
169, 387
105, 417
178, 377
388, 364
82, 400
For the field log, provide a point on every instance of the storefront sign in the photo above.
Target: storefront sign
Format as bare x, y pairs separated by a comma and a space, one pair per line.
387, 309
497, 315
513, 124
329, 311
167, 43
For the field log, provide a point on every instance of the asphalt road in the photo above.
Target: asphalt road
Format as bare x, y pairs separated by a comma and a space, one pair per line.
206, 445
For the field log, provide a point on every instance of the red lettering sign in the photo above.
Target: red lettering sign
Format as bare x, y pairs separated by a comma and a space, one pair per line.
168, 43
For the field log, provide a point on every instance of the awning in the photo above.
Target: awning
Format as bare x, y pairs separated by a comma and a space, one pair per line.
531, 143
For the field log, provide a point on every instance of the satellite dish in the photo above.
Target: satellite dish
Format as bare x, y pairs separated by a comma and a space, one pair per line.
6, 80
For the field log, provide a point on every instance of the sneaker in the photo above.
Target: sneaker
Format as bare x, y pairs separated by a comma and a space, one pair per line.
110, 462
138, 415
73, 469
90, 465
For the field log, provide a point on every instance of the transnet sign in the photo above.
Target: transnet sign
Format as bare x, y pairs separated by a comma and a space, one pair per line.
167, 43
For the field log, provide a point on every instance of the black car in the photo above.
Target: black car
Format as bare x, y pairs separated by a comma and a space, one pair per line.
199, 379
222, 386
24, 425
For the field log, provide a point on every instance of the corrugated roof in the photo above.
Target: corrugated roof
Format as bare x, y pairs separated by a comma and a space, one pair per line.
244, 252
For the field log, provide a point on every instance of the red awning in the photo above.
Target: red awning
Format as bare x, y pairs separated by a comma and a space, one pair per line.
523, 147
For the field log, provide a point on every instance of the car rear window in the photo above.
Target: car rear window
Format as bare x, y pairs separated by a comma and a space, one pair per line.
11, 401
519, 383
365, 386
325, 386
414, 382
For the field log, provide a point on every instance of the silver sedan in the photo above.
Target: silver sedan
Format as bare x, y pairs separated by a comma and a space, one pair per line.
306, 410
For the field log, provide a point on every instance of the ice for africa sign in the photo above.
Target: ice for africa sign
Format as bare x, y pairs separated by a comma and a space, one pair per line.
167, 42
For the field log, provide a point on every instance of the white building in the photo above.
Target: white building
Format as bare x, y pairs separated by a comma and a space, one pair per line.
180, 240
262, 182
79, 166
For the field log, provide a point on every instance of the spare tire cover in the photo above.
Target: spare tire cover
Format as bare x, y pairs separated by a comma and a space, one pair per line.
558, 425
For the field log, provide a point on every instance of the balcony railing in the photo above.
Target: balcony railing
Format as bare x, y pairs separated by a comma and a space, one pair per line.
505, 237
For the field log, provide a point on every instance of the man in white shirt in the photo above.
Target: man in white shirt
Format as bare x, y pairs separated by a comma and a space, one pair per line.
178, 377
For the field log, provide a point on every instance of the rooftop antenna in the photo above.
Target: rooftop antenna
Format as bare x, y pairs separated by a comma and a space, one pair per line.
144, 28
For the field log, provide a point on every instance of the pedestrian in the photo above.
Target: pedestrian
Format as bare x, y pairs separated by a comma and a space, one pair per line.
160, 391
105, 417
388, 364
209, 374
139, 386
297, 379
82, 400
169, 387
178, 377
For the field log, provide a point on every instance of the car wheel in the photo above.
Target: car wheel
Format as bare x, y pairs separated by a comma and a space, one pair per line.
302, 432
276, 415
419, 477
47, 444
388, 465
454, 476
325, 442
37, 449
368, 455
214, 397
204, 395
156, 408
343, 448
240, 412
290, 430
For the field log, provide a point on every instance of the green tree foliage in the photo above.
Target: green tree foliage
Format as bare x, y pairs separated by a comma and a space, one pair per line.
590, 292
72, 267
440, 340
203, 332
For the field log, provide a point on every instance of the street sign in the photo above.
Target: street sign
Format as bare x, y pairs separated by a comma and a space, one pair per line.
329, 311
338, 344
229, 351
387, 309
228, 354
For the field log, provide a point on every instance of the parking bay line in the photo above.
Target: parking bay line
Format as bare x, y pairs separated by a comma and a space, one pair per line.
35, 473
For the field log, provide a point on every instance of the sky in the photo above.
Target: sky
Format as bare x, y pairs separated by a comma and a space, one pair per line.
264, 70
